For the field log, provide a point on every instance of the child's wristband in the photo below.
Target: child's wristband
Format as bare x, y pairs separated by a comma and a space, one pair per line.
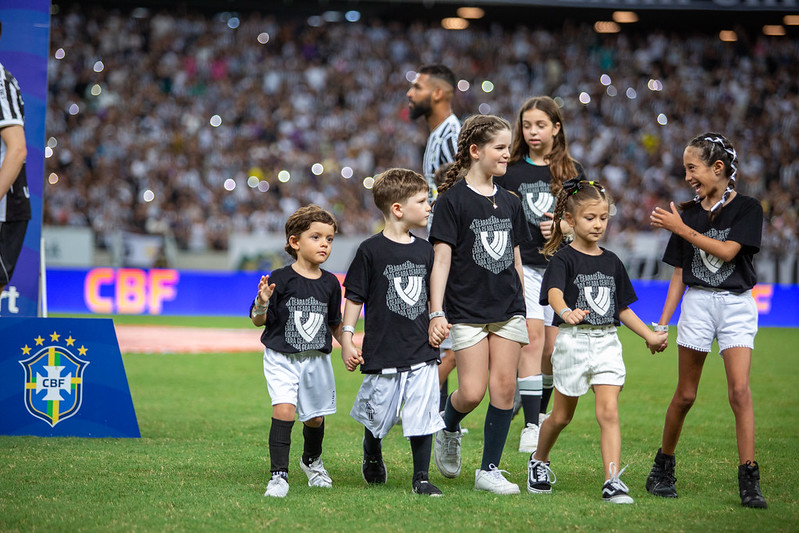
564, 310
436, 314
660, 328
259, 309
348, 329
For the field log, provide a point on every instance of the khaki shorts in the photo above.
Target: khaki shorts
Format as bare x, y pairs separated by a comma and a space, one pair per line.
467, 335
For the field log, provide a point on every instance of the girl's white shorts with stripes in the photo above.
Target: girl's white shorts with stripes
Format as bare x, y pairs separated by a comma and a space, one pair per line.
304, 380
532, 291
412, 396
585, 356
707, 314
465, 335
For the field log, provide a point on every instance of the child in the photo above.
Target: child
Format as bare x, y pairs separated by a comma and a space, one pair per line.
588, 288
711, 249
476, 232
539, 164
391, 275
300, 305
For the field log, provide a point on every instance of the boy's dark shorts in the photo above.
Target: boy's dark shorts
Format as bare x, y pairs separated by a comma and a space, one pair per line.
12, 235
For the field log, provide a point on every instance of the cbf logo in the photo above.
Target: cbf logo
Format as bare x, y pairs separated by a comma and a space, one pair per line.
53, 378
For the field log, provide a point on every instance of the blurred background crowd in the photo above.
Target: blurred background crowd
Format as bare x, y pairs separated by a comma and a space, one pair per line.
202, 124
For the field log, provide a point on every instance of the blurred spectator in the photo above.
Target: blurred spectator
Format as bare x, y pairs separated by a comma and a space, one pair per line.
206, 117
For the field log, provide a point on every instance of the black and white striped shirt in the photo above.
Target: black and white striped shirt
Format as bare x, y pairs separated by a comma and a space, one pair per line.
442, 145
15, 205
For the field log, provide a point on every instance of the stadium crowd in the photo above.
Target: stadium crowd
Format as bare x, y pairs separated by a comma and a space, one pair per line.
153, 117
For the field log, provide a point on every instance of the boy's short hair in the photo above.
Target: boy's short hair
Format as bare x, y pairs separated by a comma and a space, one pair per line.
302, 219
396, 185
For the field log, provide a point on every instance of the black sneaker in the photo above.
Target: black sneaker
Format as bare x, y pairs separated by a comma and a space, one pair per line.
614, 490
373, 469
661, 479
540, 477
749, 486
421, 485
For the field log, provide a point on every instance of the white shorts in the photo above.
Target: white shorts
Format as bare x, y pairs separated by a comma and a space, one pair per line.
413, 396
707, 314
466, 335
532, 292
304, 380
585, 356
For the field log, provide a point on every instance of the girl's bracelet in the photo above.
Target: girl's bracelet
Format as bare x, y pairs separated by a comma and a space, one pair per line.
565, 309
658, 328
348, 329
436, 314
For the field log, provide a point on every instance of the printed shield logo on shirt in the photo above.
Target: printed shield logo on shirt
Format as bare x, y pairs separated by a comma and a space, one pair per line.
304, 329
596, 294
536, 200
407, 291
492, 249
709, 268
54, 379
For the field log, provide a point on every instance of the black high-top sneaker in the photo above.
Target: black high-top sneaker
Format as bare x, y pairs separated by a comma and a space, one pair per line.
661, 479
749, 486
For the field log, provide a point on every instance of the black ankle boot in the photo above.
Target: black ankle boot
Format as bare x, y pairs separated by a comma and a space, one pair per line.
749, 486
661, 479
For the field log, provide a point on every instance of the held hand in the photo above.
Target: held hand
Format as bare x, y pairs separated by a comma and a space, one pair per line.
575, 316
265, 290
666, 219
438, 331
351, 356
546, 226
657, 341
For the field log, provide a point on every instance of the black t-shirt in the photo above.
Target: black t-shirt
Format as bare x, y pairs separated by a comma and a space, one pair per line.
741, 221
483, 286
301, 312
598, 284
392, 279
532, 184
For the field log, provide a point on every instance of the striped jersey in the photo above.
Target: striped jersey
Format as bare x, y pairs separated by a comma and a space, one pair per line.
15, 205
442, 145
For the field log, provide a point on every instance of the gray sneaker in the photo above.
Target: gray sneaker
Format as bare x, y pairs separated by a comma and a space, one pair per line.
447, 453
317, 475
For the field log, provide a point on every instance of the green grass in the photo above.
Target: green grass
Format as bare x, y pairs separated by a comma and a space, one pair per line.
202, 462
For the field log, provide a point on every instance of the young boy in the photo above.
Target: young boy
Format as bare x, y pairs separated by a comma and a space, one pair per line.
390, 274
300, 305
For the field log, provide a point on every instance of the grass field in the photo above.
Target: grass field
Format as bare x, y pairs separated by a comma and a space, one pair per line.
202, 463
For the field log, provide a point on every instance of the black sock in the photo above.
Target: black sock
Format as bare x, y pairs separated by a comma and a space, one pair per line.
452, 417
531, 406
442, 396
312, 447
279, 444
495, 431
421, 447
546, 392
371, 444
530, 392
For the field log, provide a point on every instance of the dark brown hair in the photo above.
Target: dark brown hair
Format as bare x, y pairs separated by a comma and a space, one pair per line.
301, 220
714, 147
396, 185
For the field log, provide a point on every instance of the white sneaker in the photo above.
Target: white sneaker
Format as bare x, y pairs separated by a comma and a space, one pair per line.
542, 417
492, 480
317, 475
278, 486
614, 490
529, 439
447, 452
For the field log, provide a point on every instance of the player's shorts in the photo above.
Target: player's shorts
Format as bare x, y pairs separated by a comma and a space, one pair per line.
466, 335
532, 291
12, 235
708, 314
413, 396
585, 356
304, 380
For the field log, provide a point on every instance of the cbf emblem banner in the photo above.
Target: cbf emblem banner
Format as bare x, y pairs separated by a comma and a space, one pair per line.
63, 377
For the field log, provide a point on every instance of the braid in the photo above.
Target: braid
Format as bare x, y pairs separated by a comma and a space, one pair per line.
716, 147
479, 130
556, 237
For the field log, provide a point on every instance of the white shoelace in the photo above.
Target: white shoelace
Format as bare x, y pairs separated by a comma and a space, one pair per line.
542, 470
615, 474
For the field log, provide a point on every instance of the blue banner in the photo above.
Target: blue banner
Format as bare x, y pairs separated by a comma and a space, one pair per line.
24, 48
63, 377
172, 292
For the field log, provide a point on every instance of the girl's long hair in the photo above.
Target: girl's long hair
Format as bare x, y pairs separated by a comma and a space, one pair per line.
714, 147
572, 195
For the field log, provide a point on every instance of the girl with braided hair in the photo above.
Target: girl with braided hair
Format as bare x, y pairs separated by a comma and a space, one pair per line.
590, 293
477, 277
712, 244
539, 164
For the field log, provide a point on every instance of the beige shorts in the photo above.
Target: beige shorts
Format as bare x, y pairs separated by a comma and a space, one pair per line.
466, 335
